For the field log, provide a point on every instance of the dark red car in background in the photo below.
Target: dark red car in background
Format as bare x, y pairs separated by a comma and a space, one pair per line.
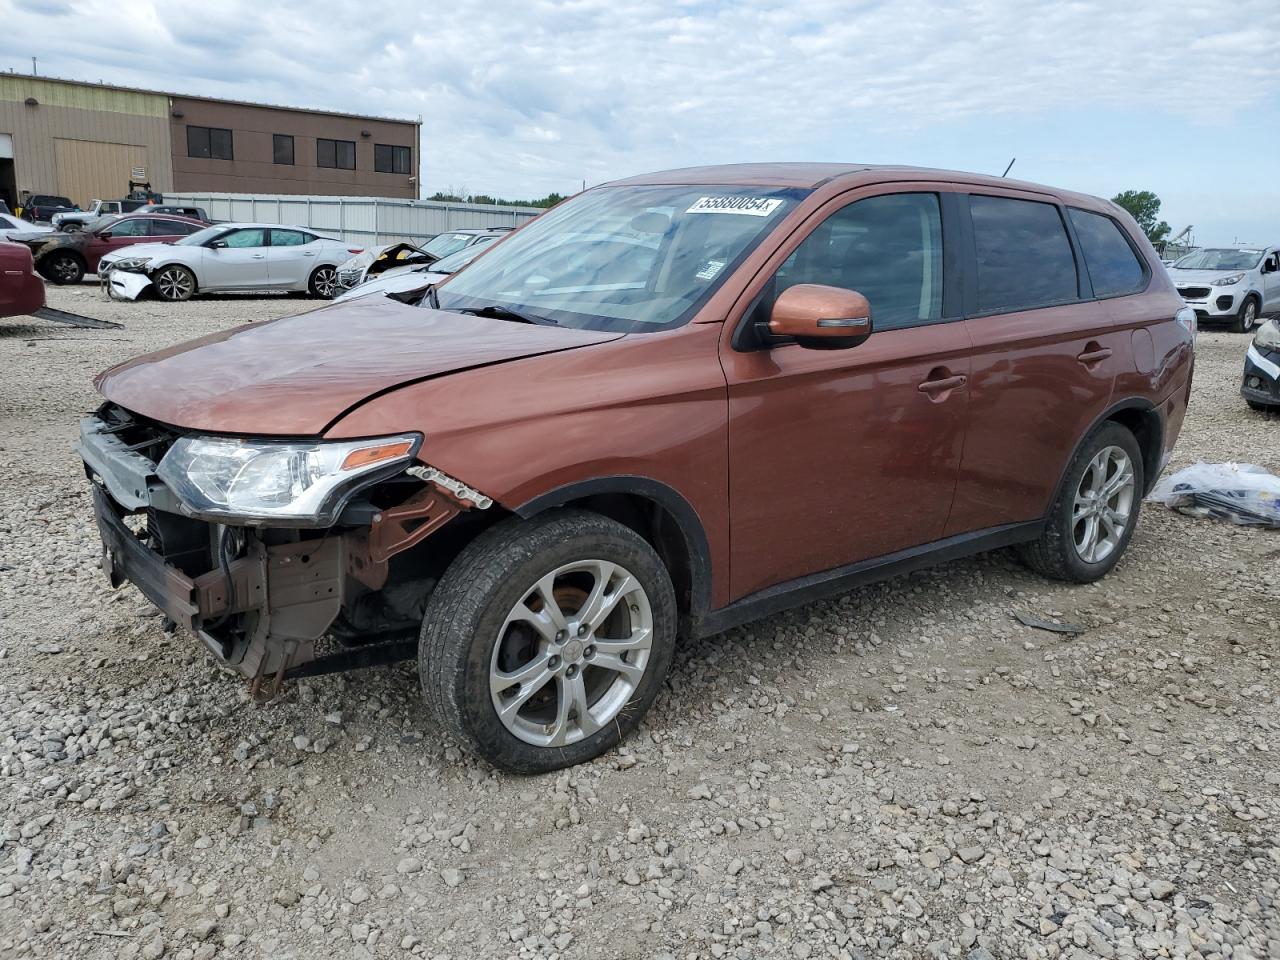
21, 290
67, 257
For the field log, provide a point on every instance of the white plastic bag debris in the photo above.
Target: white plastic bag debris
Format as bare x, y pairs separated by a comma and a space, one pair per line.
1239, 492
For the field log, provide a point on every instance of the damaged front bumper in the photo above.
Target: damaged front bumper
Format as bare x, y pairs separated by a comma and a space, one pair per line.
122, 284
258, 598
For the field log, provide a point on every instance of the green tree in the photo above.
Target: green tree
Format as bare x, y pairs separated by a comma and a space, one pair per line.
1145, 208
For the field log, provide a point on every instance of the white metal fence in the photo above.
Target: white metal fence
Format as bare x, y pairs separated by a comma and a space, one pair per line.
368, 220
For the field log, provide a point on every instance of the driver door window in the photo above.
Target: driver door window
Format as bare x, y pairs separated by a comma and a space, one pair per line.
130, 228
887, 248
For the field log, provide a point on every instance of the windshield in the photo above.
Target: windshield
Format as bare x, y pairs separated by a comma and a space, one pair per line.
1219, 259
200, 237
456, 261
446, 244
630, 259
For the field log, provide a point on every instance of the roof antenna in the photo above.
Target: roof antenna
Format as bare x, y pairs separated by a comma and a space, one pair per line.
1009, 167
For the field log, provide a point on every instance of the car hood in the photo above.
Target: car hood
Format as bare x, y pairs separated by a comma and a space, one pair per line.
298, 375
138, 250
1201, 277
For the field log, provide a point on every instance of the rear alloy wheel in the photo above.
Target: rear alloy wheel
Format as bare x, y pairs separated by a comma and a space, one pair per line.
174, 283
62, 268
1247, 316
546, 640
324, 283
1093, 518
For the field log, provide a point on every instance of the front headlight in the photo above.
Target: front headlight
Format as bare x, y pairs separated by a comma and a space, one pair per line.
1268, 336
258, 481
133, 264
1228, 281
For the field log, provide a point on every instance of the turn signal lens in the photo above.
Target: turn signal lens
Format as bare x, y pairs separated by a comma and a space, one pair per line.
367, 456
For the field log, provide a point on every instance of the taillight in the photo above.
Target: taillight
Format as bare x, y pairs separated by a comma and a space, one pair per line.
355, 250
1186, 318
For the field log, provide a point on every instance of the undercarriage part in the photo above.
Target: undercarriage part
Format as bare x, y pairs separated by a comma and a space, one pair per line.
75, 319
357, 658
397, 529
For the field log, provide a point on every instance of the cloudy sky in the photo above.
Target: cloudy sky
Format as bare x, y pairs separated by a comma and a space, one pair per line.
522, 98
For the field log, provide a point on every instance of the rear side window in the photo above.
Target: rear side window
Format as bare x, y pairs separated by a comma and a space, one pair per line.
1024, 256
290, 238
170, 228
887, 248
131, 228
1114, 268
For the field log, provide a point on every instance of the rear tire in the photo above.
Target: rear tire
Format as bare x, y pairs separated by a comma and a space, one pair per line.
1247, 315
323, 282
574, 613
1091, 522
62, 267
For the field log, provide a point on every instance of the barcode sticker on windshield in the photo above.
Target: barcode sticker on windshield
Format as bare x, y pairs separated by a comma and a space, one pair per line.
710, 271
750, 206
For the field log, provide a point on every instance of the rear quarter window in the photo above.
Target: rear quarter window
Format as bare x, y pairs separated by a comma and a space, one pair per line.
1114, 268
1024, 258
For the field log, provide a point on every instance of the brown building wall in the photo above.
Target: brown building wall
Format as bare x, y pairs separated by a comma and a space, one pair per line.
252, 169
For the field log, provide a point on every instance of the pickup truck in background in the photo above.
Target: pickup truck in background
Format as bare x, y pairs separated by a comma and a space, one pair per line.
72, 220
43, 207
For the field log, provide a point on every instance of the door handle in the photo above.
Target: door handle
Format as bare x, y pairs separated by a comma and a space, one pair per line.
943, 383
258, 256
308, 254
1095, 355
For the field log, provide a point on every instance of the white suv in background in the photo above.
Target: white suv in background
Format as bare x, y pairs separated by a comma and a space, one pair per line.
1230, 283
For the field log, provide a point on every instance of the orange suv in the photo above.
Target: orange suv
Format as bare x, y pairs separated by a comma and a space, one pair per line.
670, 405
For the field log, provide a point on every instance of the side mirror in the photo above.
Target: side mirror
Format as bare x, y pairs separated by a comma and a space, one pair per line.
817, 315
217, 244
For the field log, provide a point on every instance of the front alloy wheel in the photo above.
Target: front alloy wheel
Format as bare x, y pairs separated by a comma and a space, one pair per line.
324, 283
174, 284
571, 653
547, 639
1247, 316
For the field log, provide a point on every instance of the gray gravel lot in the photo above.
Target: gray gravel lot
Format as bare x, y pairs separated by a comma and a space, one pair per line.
905, 771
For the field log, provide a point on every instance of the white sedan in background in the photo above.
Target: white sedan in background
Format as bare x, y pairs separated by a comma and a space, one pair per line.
228, 257
12, 227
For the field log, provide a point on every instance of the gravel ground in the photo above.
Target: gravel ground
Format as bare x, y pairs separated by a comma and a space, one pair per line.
905, 771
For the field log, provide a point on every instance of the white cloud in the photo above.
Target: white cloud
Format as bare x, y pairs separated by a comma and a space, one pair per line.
524, 98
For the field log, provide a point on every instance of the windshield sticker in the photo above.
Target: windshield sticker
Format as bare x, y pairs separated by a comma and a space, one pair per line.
750, 206
712, 268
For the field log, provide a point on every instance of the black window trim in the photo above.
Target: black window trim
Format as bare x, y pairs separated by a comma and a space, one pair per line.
1147, 272
393, 147
293, 150
231, 142
1084, 289
954, 277
336, 166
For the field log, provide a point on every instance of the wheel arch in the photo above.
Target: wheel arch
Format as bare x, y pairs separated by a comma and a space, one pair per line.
657, 512
176, 263
1141, 418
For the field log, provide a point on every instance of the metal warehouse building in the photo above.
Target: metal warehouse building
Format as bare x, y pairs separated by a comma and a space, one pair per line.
89, 140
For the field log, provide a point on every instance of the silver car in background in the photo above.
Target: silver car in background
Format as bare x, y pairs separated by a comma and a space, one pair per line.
229, 257
1239, 285
404, 257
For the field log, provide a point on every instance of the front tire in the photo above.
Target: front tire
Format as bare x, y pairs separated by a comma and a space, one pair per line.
1246, 316
62, 268
1091, 522
547, 640
174, 283
323, 282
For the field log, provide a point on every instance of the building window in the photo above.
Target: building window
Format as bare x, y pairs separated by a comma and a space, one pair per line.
389, 159
282, 148
211, 142
336, 153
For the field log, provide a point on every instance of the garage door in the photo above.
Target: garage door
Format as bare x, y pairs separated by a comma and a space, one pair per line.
90, 169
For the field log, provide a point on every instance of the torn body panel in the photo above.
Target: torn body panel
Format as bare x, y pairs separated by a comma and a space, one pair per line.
260, 598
